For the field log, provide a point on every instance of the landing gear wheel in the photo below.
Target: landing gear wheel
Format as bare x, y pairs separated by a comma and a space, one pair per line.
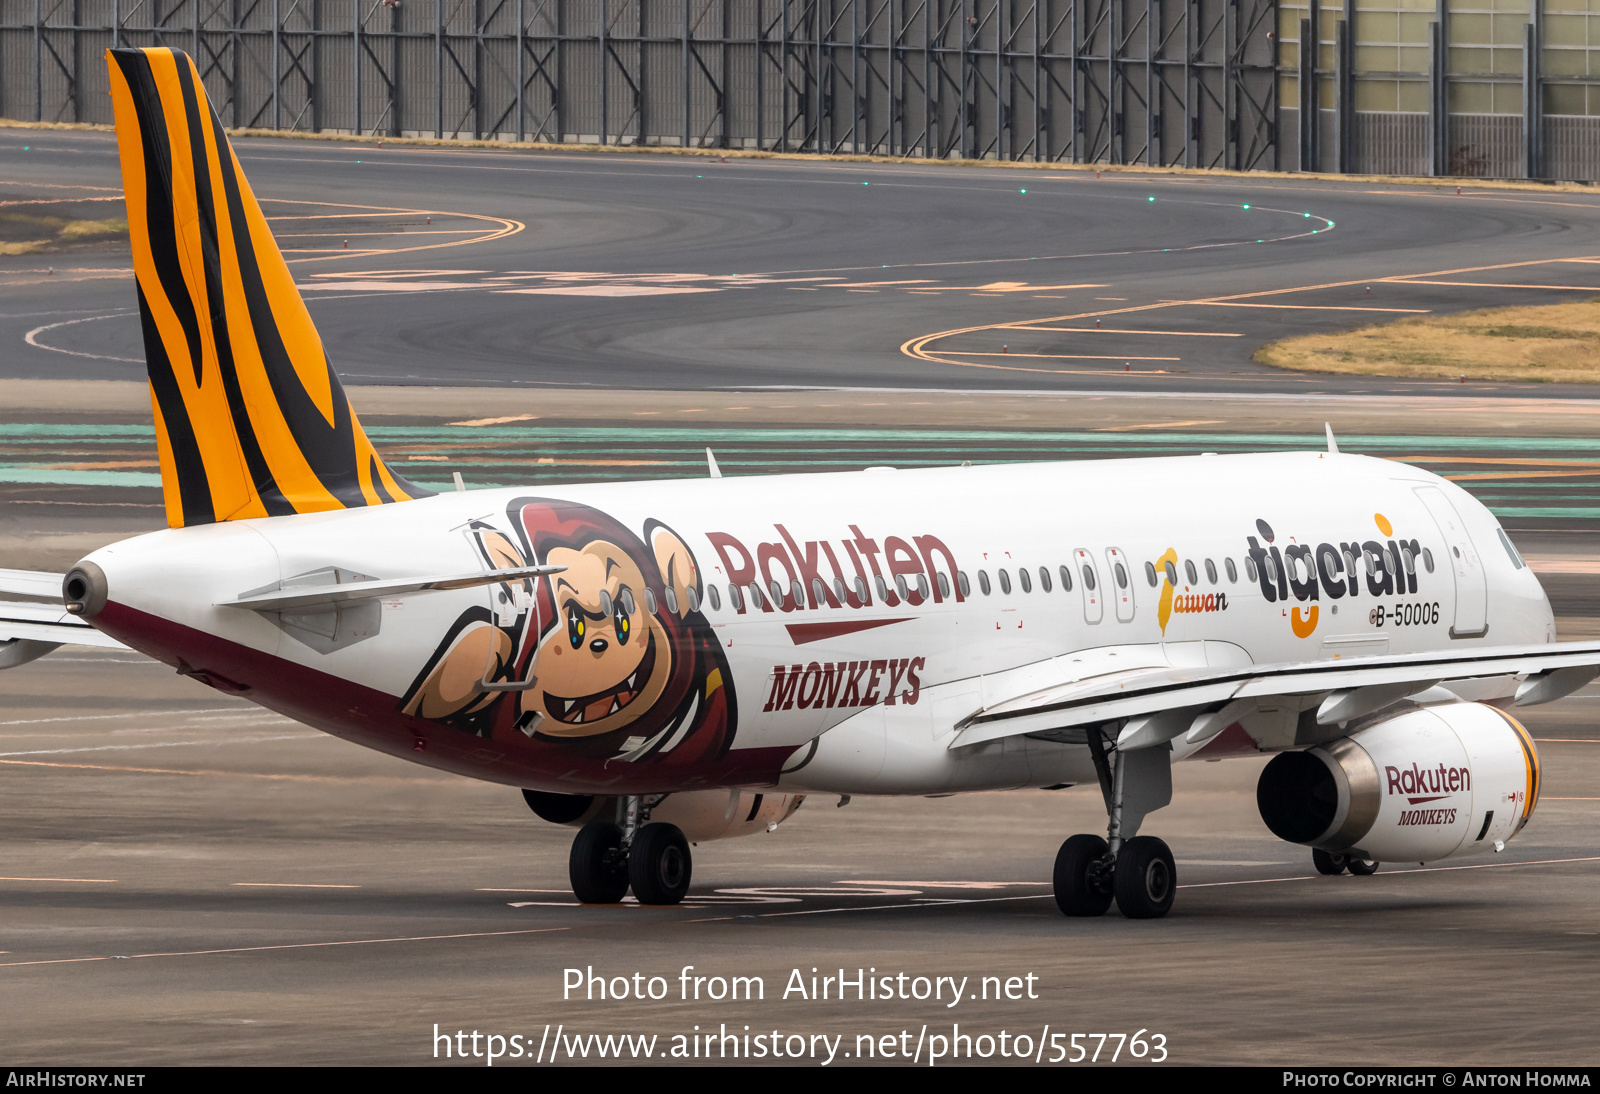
1146, 878
598, 870
659, 864
1081, 889
1362, 867
1328, 863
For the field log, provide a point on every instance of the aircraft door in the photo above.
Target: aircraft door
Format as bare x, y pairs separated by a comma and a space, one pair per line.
1462, 561
1120, 590
1089, 582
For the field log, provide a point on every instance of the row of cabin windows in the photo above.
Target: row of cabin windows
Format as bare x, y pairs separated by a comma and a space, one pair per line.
1299, 567
756, 594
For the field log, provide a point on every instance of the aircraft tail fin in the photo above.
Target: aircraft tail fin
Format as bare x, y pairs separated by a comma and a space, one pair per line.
251, 420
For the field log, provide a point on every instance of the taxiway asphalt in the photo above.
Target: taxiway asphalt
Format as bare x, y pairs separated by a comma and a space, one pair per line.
486, 267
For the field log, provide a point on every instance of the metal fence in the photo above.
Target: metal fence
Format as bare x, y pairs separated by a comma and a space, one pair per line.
1201, 83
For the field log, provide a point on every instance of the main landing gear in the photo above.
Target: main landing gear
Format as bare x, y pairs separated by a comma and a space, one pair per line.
653, 859
1333, 864
1137, 871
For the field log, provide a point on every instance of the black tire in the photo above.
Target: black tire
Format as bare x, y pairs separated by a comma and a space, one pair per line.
1328, 863
1363, 867
598, 870
1146, 879
659, 864
1079, 889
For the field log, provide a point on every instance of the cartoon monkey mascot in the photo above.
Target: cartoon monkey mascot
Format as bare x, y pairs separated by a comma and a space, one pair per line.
610, 659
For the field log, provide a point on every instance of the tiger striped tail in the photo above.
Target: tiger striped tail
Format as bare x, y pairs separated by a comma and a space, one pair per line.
251, 420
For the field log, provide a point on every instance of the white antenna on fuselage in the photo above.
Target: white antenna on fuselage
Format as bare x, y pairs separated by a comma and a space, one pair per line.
1333, 445
711, 465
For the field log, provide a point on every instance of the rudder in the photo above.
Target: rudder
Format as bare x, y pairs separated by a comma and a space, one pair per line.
251, 420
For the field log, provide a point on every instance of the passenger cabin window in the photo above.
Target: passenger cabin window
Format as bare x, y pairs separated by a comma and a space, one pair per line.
650, 600
755, 595
1249, 568
1066, 579
900, 585
962, 583
1211, 571
606, 607
838, 589
1022, 576
983, 581
944, 585
1088, 577
1122, 576
672, 600
693, 597
1194, 575
799, 592
715, 598
883, 590
922, 584
1044, 578
1427, 560
626, 596
861, 590
777, 592
1233, 572
735, 597
820, 591
1005, 582
1172, 574
1150, 574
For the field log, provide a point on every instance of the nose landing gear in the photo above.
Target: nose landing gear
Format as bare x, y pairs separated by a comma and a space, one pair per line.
608, 858
1137, 871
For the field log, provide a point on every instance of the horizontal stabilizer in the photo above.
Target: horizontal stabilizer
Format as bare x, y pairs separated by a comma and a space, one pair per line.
296, 597
30, 583
49, 623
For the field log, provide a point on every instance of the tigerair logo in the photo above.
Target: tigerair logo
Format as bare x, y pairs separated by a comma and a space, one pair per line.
1173, 602
1301, 575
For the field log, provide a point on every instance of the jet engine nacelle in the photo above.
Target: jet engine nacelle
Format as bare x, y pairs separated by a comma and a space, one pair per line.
1423, 785
701, 814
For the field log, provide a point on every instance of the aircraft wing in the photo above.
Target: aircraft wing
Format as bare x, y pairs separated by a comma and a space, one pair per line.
1163, 703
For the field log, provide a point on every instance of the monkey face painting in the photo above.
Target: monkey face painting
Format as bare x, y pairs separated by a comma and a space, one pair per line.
599, 658
608, 659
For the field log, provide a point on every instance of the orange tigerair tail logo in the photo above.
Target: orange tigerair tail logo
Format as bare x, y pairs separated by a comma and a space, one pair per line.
1329, 571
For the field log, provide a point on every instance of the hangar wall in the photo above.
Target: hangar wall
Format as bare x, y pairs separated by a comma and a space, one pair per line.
1478, 88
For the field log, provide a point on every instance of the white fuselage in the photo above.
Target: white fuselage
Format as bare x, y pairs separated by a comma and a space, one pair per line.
1365, 557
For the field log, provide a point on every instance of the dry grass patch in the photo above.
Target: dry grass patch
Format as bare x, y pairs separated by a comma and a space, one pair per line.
20, 232
1555, 343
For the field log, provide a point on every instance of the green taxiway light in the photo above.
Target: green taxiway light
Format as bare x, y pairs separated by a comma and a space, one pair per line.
1247, 205
1152, 197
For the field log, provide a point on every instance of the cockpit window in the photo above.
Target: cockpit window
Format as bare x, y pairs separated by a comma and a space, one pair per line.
1505, 541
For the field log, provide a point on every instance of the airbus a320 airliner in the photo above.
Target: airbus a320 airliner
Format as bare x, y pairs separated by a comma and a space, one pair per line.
663, 663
